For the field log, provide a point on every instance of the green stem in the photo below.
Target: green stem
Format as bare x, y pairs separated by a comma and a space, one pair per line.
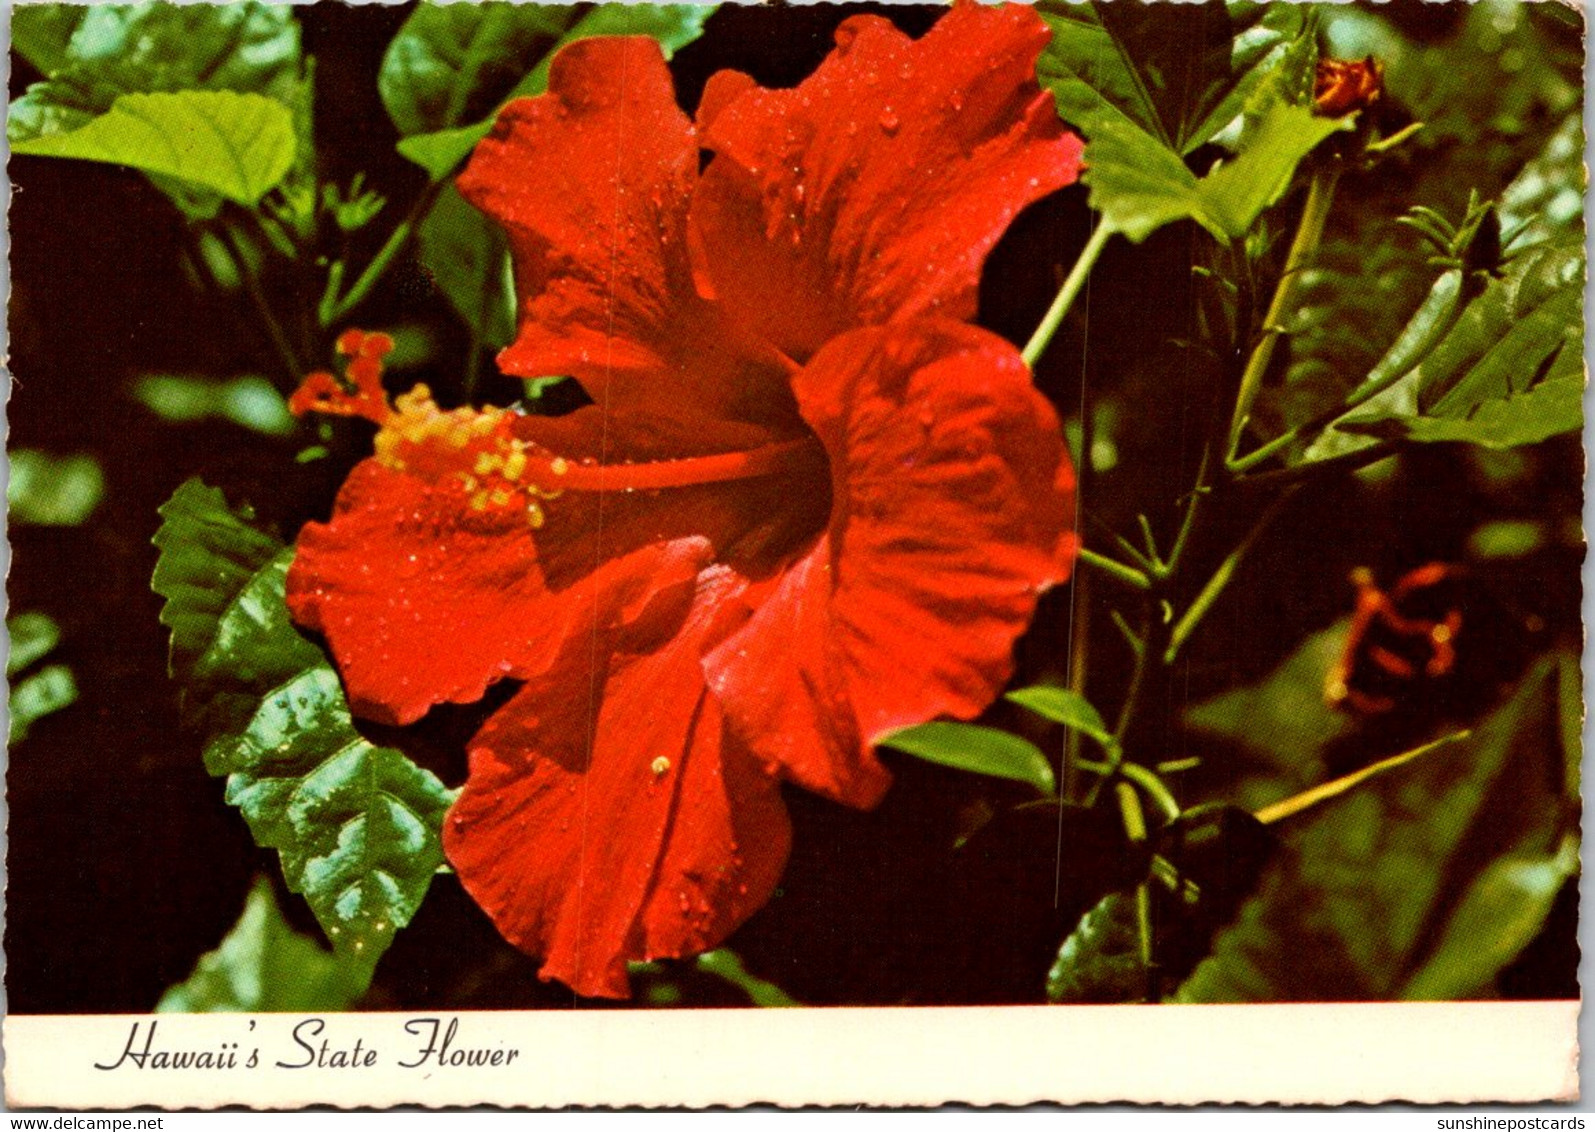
1132, 695
257, 297
1346, 461
329, 294
1130, 812
380, 263
1294, 805
1134, 820
1220, 579
1042, 338
1129, 575
1427, 328
1153, 786
1320, 196
1188, 520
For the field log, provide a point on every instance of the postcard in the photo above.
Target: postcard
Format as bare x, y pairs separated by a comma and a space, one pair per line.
807, 554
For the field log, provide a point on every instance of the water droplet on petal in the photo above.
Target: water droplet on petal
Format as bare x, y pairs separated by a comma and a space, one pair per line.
890, 122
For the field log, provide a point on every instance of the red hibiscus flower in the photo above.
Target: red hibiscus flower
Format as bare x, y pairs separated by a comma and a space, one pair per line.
808, 506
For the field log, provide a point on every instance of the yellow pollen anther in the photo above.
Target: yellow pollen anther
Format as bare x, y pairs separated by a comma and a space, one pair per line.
535, 516
660, 765
487, 463
559, 465
514, 465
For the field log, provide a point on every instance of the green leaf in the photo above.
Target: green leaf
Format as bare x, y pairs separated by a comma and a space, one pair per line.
33, 636
356, 825
1140, 185
1148, 85
1176, 77
44, 693
41, 33
1508, 538
251, 402
209, 558
727, 964
982, 750
1502, 912
1367, 278
53, 491
264, 966
1546, 200
237, 145
92, 55
1411, 884
1282, 721
440, 151
441, 146
468, 258
451, 62
1511, 370
1066, 707
1553, 406
1100, 961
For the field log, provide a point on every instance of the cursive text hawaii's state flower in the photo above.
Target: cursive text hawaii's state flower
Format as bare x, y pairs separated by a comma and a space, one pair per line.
809, 504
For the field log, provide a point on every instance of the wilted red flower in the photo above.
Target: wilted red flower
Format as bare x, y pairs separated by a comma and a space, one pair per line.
810, 505
1343, 85
1396, 638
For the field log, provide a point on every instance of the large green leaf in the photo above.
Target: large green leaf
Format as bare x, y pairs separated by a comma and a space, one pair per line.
356, 825
983, 750
1281, 722
1501, 92
1177, 76
42, 33
265, 966
450, 63
237, 145
1511, 370
468, 258
1139, 185
441, 145
92, 55
1424, 881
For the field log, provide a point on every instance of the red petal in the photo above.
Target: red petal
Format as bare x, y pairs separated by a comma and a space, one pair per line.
876, 188
424, 600
954, 509
592, 181
656, 844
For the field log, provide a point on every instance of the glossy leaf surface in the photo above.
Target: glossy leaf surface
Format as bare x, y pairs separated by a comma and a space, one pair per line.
1511, 372
356, 825
92, 55
265, 966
